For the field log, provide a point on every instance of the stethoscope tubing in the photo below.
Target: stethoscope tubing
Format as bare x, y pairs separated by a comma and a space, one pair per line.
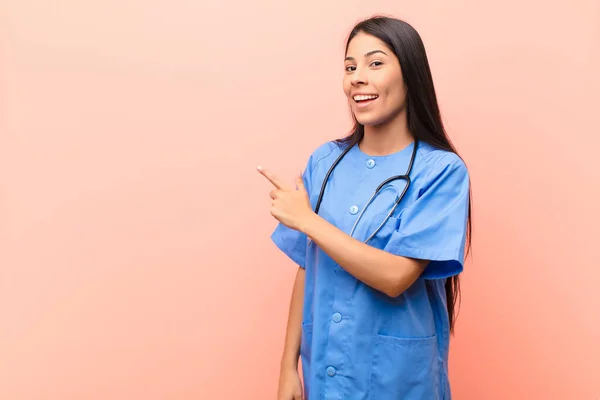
405, 177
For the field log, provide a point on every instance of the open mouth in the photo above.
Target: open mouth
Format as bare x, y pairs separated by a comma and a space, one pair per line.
365, 98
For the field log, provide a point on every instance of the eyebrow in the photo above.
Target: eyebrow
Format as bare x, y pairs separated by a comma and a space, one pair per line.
370, 53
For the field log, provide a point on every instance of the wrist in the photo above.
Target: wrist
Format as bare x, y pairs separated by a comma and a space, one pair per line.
289, 363
309, 223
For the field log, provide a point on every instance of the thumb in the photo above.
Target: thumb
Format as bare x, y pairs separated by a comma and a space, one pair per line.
300, 183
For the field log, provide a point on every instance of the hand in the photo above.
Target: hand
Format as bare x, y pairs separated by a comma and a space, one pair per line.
290, 206
290, 386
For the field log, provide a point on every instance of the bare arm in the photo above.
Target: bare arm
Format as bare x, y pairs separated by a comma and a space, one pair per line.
379, 269
291, 351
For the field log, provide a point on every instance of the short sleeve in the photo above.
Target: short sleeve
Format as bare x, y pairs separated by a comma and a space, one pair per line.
291, 242
434, 227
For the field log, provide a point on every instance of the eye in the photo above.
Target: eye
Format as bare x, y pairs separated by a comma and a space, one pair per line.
376, 63
350, 68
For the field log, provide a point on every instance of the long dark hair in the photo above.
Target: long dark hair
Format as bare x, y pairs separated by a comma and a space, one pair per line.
422, 110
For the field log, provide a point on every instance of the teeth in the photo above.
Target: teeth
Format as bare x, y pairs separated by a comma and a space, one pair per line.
365, 97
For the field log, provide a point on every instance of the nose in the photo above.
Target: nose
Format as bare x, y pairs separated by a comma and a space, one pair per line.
359, 77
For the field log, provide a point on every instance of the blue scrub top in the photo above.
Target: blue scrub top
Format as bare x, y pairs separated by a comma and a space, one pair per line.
357, 342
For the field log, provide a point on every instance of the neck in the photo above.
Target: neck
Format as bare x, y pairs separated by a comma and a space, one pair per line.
387, 138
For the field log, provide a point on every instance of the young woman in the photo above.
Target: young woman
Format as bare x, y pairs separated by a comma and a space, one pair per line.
372, 307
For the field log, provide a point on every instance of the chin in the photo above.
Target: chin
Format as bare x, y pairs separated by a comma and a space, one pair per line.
369, 120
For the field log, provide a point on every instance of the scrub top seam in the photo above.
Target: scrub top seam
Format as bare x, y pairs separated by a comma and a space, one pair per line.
324, 156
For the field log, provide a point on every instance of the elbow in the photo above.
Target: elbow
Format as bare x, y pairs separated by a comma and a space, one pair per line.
400, 275
404, 275
402, 279
395, 287
394, 291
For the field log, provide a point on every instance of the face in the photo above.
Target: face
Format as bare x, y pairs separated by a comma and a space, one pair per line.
373, 81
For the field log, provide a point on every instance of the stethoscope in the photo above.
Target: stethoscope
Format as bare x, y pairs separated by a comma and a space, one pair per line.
405, 177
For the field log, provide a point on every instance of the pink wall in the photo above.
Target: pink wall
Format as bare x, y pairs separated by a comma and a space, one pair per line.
135, 255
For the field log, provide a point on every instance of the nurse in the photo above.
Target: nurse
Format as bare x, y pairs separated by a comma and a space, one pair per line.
373, 320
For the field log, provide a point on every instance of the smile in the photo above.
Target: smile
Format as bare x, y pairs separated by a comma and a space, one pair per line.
359, 98
364, 100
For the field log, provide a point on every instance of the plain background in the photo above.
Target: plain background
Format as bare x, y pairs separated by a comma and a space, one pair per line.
135, 253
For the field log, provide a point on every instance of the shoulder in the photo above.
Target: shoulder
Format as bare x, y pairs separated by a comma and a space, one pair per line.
324, 152
440, 162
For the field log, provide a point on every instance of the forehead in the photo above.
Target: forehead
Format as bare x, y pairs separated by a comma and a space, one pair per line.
363, 43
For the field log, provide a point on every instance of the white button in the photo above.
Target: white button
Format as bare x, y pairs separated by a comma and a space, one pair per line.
337, 317
370, 163
330, 371
353, 210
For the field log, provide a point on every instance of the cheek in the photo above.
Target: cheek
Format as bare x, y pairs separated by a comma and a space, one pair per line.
346, 85
395, 95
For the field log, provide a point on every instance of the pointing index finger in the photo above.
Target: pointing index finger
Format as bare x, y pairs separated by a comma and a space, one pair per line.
271, 178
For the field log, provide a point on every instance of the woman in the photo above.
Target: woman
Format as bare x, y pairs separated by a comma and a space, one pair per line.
373, 320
